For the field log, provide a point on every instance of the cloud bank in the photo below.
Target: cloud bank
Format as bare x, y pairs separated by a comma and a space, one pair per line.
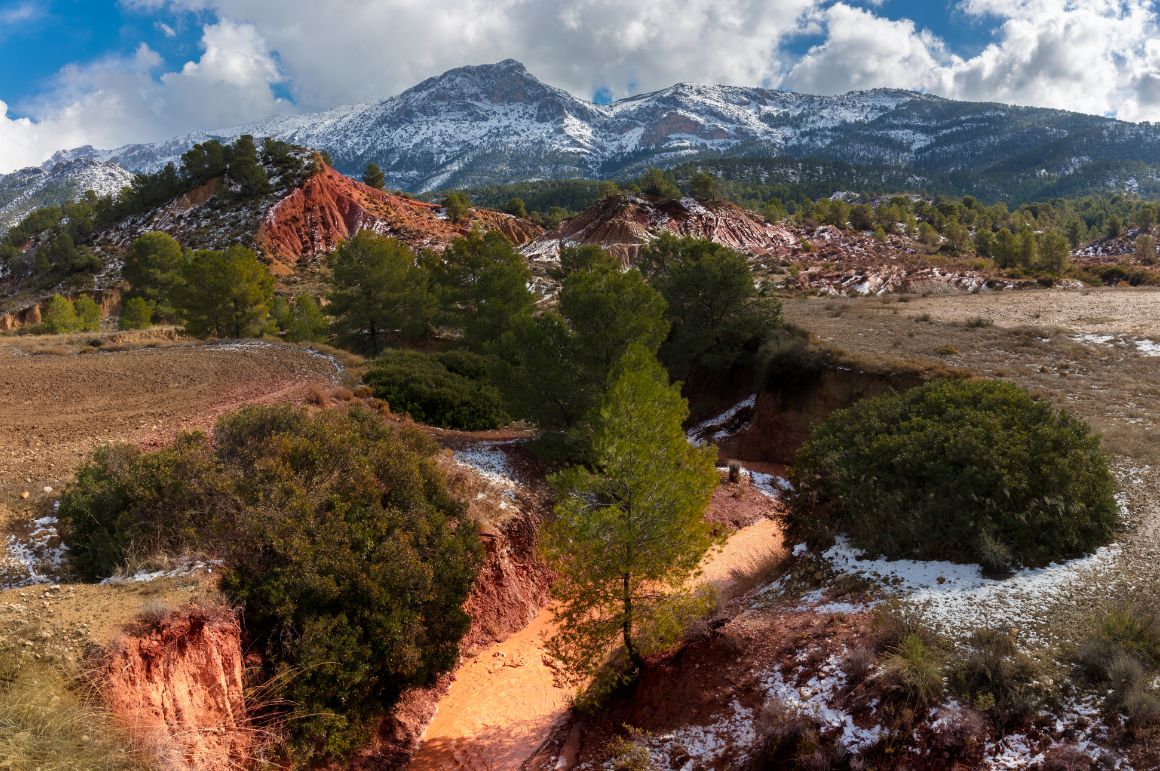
1095, 56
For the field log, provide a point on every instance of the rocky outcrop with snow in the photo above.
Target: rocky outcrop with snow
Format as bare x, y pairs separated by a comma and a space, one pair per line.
624, 224
55, 183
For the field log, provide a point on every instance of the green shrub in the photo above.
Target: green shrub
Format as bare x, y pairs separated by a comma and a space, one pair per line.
422, 386
1123, 655
88, 314
338, 538
127, 505
60, 316
955, 470
913, 670
136, 314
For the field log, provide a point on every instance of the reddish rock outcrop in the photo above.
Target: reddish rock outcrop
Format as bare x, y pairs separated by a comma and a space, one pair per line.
329, 207
178, 686
624, 224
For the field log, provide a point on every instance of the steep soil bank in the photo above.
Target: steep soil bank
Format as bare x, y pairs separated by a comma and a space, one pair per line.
109, 301
781, 419
178, 686
507, 703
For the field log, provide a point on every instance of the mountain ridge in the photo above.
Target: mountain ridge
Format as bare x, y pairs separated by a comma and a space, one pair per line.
495, 123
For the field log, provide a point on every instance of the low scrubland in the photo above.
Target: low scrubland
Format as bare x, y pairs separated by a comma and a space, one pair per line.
337, 537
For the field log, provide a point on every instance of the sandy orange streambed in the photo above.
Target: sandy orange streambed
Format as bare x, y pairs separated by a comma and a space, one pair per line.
504, 701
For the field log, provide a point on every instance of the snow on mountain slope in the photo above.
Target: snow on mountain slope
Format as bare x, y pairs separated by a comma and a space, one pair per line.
492, 124
28, 189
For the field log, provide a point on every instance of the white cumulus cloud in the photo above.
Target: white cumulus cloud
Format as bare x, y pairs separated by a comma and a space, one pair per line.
116, 100
1095, 56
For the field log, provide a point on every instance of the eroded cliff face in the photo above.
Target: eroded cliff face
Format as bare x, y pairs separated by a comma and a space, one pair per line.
329, 207
178, 685
109, 301
780, 420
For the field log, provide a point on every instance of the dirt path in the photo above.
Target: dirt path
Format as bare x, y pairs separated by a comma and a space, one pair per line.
505, 701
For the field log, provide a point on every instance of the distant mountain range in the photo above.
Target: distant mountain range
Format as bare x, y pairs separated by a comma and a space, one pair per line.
493, 124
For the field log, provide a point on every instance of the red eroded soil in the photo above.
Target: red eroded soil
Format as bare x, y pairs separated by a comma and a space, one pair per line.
330, 207
506, 700
179, 687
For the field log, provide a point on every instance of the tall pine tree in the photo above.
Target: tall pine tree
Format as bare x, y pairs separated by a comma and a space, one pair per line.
629, 530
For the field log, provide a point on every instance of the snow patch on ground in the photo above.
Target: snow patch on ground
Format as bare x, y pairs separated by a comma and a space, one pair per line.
189, 568
817, 698
36, 558
705, 745
956, 599
489, 461
1143, 345
717, 428
769, 485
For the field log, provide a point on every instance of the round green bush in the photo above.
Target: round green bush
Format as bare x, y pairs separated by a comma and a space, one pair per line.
445, 390
958, 470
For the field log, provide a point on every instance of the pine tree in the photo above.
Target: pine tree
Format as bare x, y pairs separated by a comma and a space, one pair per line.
246, 171
704, 187
377, 292
306, 321
629, 532
153, 269
225, 294
373, 176
481, 283
457, 206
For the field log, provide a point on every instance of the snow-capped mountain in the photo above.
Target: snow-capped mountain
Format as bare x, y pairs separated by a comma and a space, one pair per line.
56, 182
497, 123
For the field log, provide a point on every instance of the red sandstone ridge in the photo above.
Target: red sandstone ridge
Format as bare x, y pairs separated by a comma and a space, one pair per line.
178, 686
316, 217
624, 224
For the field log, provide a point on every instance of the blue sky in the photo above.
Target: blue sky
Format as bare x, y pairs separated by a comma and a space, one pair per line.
108, 72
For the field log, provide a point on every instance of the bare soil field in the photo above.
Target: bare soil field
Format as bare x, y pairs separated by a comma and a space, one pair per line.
57, 407
1133, 312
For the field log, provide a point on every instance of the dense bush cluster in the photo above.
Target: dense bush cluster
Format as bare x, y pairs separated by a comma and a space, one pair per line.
448, 390
967, 471
339, 539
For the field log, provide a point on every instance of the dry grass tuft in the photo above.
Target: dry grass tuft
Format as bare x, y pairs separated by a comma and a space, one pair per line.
45, 723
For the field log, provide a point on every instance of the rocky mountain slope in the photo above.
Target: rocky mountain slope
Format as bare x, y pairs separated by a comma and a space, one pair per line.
624, 224
823, 259
307, 212
54, 183
497, 123
298, 223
